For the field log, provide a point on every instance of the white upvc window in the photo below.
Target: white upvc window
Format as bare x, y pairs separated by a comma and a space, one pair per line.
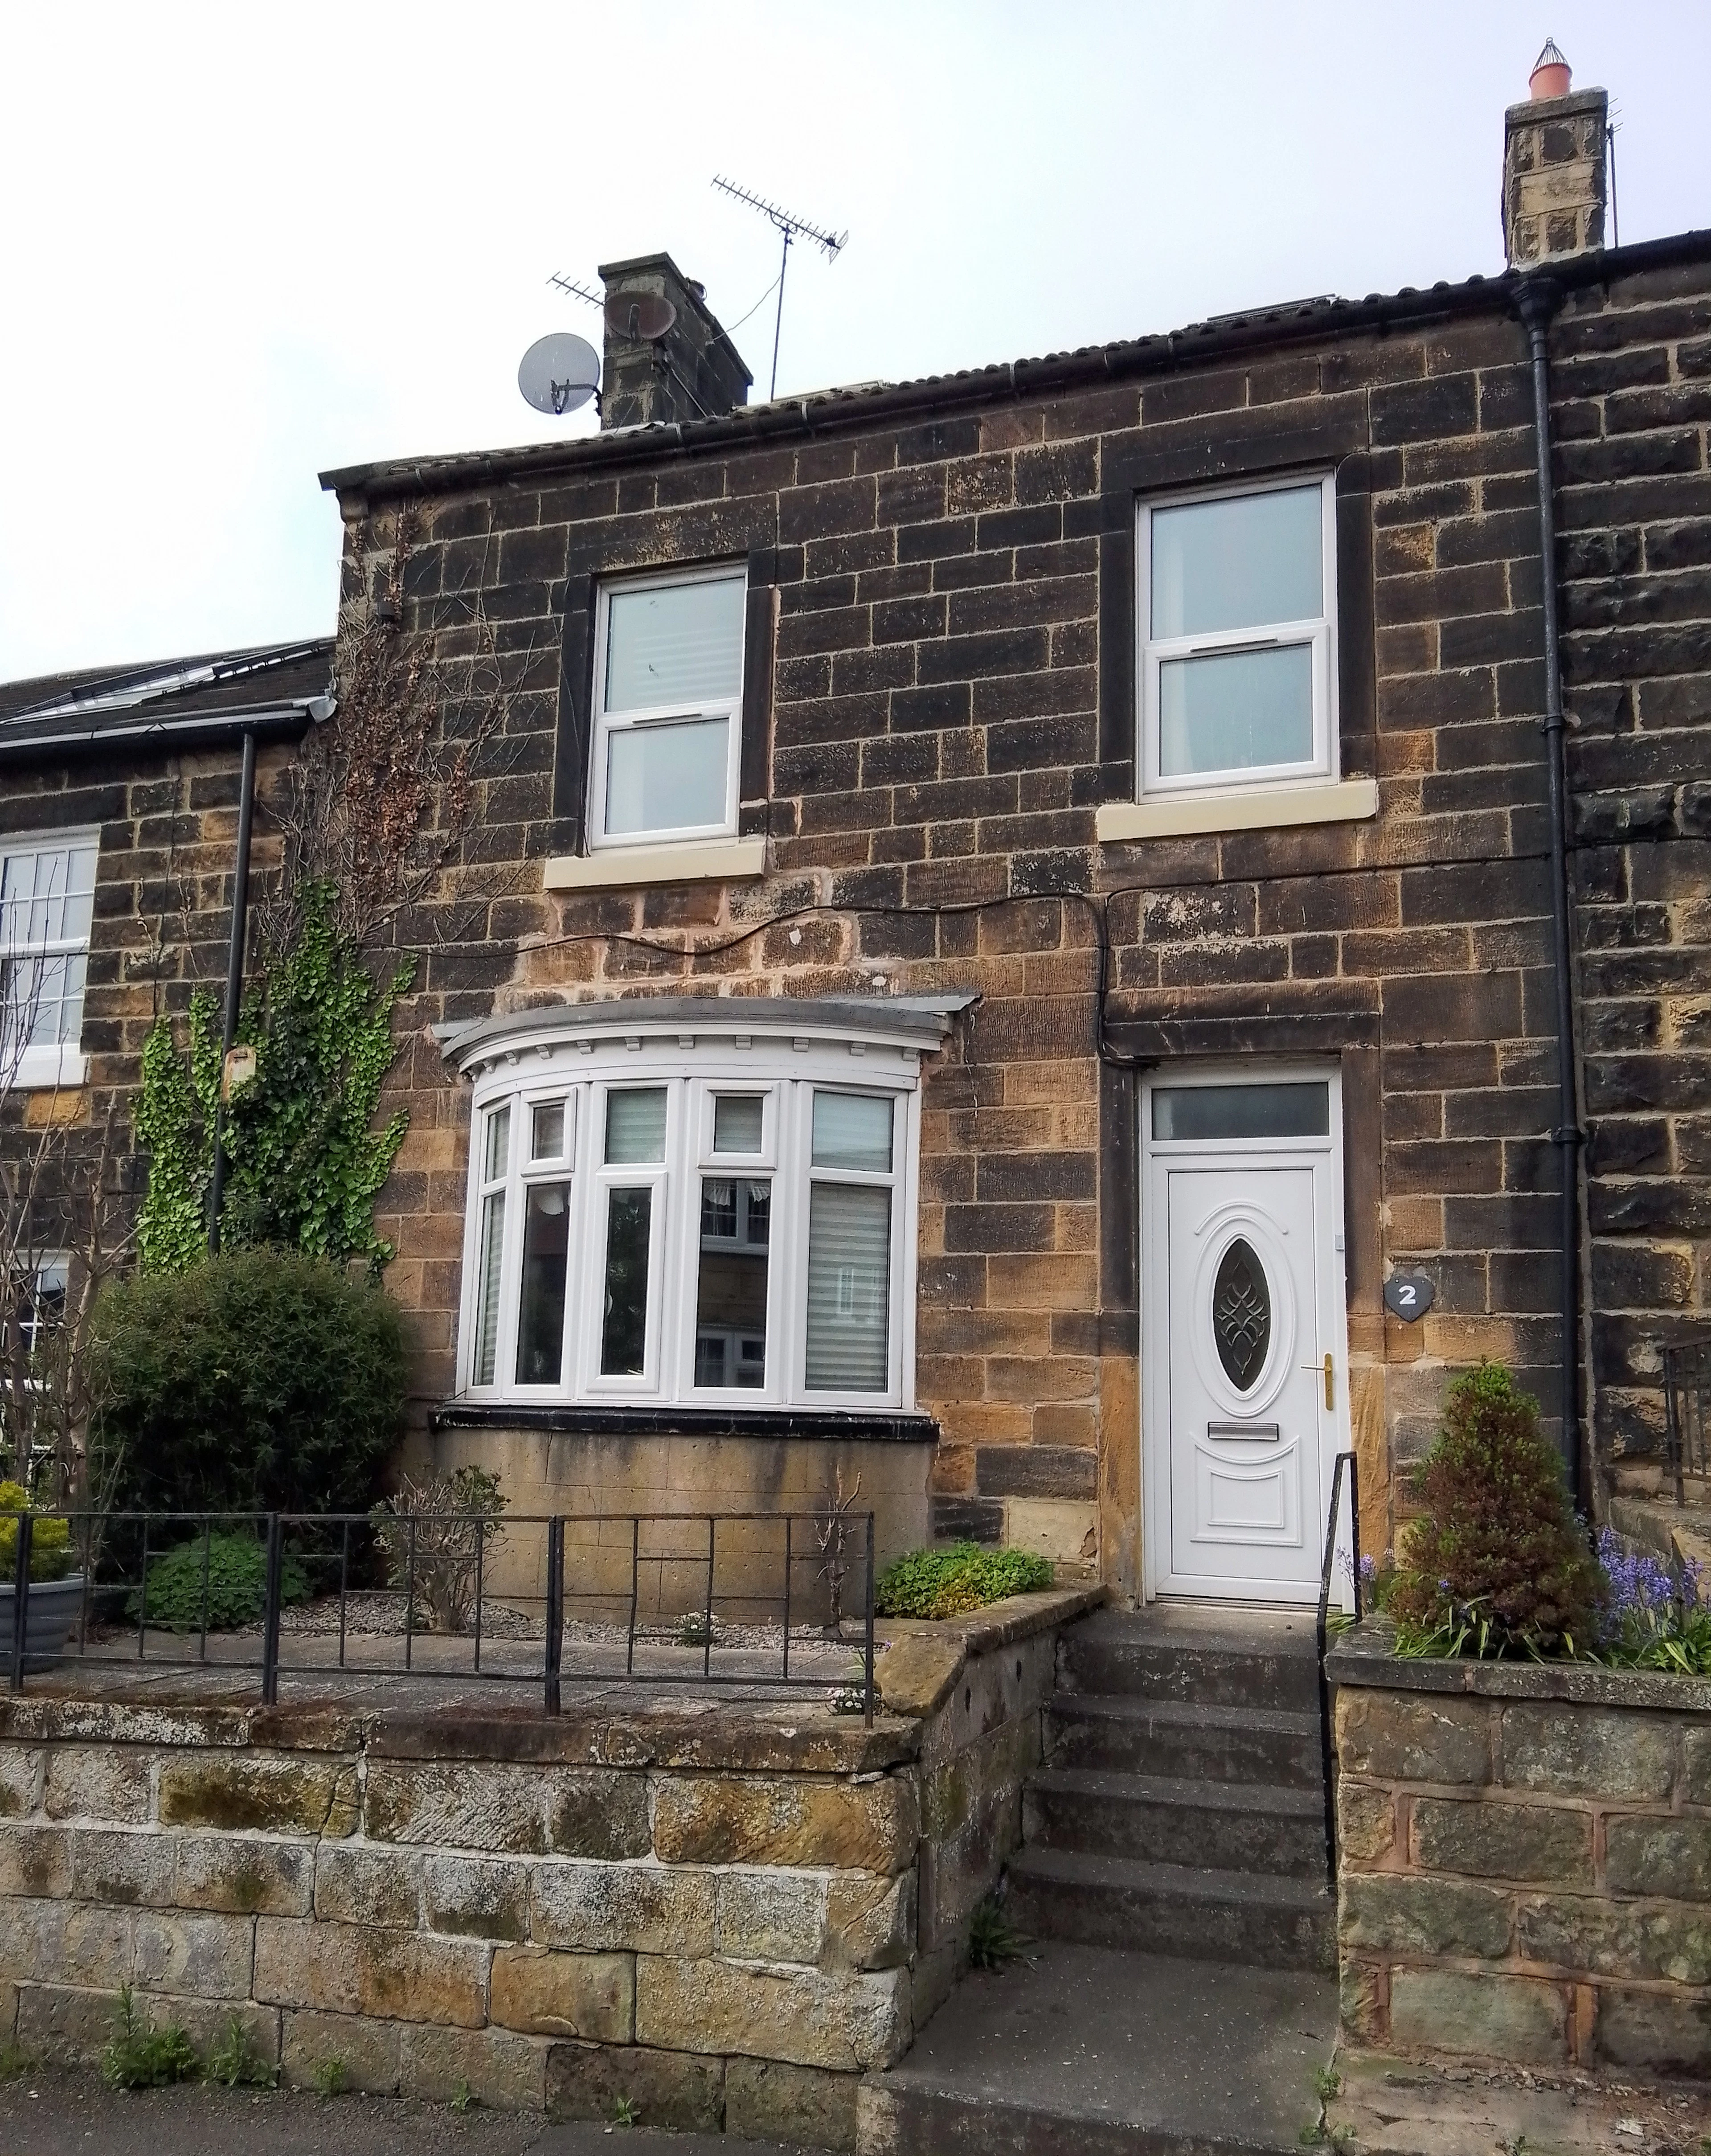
667, 708
1236, 615
47, 903
708, 1222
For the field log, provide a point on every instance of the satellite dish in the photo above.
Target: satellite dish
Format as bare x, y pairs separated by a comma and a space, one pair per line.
642, 316
559, 373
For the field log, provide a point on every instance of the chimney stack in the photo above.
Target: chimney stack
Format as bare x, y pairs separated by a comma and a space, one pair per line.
1555, 174
689, 371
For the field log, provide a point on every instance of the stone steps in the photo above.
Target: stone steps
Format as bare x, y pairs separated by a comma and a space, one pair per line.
1190, 1910
1195, 1662
1231, 1826
1077, 2051
1185, 1739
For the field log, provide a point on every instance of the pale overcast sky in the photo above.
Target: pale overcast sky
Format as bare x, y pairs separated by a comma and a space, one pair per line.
245, 244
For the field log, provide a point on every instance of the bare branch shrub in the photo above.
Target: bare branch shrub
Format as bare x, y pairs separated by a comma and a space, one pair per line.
434, 1536
381, 797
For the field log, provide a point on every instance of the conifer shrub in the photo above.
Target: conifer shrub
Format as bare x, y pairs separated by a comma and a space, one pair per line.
1499, 1564
262, 1380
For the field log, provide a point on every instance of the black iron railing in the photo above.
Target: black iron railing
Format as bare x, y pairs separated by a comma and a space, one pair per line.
1326, 1744
742, 1599
1687, 1387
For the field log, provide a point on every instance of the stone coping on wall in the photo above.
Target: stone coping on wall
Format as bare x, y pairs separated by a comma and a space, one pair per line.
1365, 1656
924, 1657
744, 1736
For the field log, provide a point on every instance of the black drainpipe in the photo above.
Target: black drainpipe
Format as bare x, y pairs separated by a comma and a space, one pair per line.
234, 978
1536, 299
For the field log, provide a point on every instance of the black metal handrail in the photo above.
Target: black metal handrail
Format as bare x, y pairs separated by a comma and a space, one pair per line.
325, 1539
1687, 1383
1327, 1748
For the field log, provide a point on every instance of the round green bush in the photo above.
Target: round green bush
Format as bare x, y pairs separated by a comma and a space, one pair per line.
264, 1380
949, 1583
236, 1584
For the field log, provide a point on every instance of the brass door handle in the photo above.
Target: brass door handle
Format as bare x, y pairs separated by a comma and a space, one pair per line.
1329, 1389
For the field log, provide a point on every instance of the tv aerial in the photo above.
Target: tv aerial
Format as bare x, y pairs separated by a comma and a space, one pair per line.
559, 374
792, 228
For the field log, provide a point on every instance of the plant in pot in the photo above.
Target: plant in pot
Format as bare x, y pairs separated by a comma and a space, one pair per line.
55, 1590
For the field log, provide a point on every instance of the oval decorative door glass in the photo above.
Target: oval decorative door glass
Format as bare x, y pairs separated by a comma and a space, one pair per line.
1241, 1314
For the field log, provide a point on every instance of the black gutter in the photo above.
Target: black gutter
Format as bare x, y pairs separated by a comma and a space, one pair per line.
234, 979
1536, 299
266, 722
1268, 329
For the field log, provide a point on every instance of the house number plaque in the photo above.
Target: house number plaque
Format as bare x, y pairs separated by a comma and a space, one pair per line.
1408, 1295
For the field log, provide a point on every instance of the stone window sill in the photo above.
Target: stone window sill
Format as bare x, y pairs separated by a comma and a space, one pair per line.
49, 1070
1348, 801
727, 860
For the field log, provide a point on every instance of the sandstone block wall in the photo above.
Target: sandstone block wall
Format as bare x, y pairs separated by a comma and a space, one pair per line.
725, 1913
1527, 1877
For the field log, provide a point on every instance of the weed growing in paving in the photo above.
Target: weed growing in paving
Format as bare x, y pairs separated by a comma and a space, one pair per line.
14, 2063
625, 2112
234, 2061
463, 2098
332, 2078
992, 1939
143, 2056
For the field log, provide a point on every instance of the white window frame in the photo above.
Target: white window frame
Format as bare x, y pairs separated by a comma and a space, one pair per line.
605, 725
1319, 633
46, 1067
786, 1072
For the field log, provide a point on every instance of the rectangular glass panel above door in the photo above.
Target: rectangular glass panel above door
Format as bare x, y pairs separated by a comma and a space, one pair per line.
668, 680
1300, 1109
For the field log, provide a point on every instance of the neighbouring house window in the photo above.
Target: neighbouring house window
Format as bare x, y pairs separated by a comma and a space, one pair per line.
693, 1220
47, 901
668, 697
1236, 613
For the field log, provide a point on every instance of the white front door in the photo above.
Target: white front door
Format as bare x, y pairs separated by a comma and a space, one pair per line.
1242, 1304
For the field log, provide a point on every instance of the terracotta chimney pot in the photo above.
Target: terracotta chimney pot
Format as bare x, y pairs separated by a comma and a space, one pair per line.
1551, 74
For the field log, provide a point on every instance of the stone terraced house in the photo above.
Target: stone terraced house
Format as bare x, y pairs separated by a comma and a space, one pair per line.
1008, 909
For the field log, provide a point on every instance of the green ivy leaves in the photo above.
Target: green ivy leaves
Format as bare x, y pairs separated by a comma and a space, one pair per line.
303, 1165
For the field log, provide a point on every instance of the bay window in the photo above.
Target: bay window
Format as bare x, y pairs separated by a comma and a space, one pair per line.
708, 1218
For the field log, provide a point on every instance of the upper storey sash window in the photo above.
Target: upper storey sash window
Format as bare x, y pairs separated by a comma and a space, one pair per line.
668, 697
1237, 631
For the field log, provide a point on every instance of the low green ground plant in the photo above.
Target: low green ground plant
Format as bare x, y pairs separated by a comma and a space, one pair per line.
332, 2078
950, 1582
141, 2056
236, 1584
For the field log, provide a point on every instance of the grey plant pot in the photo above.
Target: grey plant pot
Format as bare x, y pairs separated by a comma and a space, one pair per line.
50, 1619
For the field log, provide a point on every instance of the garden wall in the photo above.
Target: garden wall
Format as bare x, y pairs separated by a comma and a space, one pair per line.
722, 1913
1525, 1860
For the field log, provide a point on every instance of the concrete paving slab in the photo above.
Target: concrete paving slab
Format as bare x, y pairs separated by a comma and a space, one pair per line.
72, 2114
1390, 2106
1081, 2049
